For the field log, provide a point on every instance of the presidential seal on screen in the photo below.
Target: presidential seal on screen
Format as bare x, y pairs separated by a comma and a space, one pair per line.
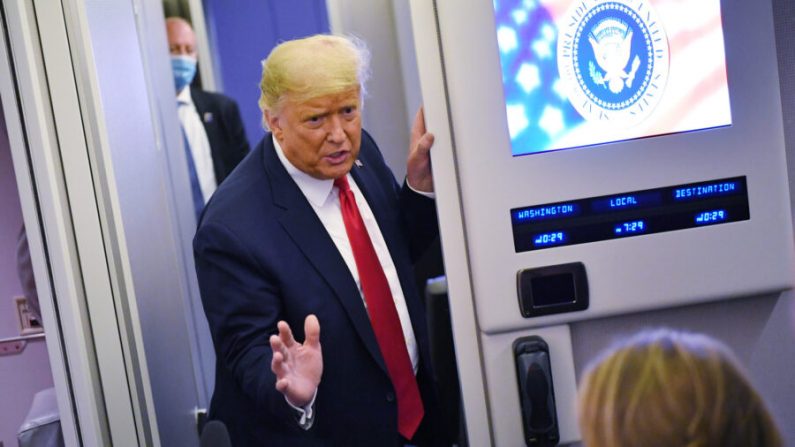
613, 59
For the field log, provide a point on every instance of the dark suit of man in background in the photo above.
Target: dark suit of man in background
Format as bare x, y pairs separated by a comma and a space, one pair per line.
274, 258
211, 122
220, 117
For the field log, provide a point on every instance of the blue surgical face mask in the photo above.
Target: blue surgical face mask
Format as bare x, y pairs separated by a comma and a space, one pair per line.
184, 68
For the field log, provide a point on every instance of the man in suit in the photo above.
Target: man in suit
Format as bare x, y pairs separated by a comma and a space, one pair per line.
211, 122
279, 254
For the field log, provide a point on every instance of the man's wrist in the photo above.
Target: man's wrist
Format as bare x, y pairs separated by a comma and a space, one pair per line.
305, 414
430, 195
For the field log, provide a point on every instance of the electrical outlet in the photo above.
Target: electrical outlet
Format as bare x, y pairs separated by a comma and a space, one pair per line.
26, 321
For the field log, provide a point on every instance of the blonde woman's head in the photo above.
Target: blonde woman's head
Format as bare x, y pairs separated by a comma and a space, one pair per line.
672, 389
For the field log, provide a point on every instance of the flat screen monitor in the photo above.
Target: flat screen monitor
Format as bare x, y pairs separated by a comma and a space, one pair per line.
581, 73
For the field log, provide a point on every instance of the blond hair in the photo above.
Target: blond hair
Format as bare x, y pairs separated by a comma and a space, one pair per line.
311, 67
667, 388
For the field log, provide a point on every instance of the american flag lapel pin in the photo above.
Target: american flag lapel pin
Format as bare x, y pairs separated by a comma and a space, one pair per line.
358, 163
208, 117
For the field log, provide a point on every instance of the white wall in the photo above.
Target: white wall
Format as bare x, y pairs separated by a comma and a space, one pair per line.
23, 374
136, 106
385, 111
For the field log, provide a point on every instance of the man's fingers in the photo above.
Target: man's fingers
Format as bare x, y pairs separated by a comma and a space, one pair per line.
286, 334
279, 354
276, 343
277, 365
312, 331
425, 143
419, 121
277, 362
282, 385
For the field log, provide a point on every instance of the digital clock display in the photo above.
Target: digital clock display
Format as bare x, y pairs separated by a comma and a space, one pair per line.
631, 227
710, 217
630, 214
551, 238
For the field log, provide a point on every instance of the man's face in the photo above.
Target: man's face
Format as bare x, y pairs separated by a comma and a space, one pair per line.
181, 39
320, 136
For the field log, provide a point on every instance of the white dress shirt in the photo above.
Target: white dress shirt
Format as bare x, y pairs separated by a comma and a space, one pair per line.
323, 196
198, 142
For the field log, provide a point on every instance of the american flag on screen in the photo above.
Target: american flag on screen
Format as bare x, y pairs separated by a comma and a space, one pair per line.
586, 72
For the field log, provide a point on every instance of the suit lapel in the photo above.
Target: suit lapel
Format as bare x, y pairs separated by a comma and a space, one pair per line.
368, 184
301, 223
372, 187
204, 109
209, 117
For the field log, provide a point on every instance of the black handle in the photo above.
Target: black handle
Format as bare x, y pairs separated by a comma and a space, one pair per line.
534, 373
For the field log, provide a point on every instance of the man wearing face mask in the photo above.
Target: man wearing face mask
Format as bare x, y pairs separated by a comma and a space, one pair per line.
211, 125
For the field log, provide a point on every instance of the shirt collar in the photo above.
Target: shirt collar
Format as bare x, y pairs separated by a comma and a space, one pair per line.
317, 191
183, 97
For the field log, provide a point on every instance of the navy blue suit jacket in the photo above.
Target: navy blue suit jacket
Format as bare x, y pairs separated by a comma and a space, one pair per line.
220, 117
262, 255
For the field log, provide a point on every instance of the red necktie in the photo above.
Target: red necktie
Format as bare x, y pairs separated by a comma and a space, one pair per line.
383, 315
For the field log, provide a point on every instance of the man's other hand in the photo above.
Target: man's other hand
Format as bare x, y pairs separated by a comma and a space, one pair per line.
418, 167
297, 366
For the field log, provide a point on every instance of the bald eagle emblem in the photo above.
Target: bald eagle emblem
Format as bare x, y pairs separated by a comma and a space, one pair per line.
611, 40
613, 59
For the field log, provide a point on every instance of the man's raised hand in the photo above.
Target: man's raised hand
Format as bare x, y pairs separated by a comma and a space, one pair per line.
418, 167
298, 367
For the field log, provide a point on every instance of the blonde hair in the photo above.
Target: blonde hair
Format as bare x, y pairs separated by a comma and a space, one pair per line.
667, 388
312, 67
